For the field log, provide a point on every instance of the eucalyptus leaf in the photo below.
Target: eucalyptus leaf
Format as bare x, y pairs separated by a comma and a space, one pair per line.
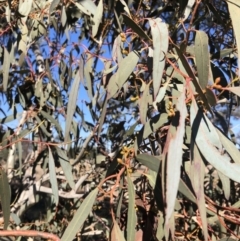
80, 216
53, 177
5, 196
132, 217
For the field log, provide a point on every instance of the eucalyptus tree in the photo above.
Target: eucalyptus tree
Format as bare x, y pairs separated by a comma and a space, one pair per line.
155, 76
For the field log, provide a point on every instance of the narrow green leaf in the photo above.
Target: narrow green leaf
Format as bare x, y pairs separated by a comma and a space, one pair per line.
160, 231
234, 90
5, 68
135, 27
161, 93
152, 177
5, 196
97, 18
66, 166
183, 188
87, 75
143, 104
193, 77
211, 97
202, 57
149, 161
222, 53
125, 7
8, 118
234, 10
42, 127
132, 217
71, 107
116, 232
19, 148
174, 158
53, 178
212, 154
80, 216
103, 115
225, 185
188, 9
126, 66
159, 32
153, 124
230, 147
63, 16
197, 178
53, 5
52, 120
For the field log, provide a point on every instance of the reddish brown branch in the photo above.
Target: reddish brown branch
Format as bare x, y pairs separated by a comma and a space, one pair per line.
29, 233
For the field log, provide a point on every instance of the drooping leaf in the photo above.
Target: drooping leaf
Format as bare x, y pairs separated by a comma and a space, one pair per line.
188, 9
208, 150
71, 107
193, 77
66, 166
5, 197
149, 161
174, 158
160, 231
87, 74
183, 188
197, 179
132, 217
202, 57
103, 115
97, 18
6, 66
80, 216
234, 90
53, 5
211, 97
222, 53
126, 9
25, 7
53, 178
19, 148
159, 32
230, 147
126, 66
234, 11
52, 120
143, 104
117, 234
161, 93
135, 27
42, 126
225, 185
116, 49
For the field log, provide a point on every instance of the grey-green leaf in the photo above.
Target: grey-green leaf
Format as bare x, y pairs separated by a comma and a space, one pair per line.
126, 67
159, 32
80, 216
132, 218
5, 197
135, 27
234, 11
97, 18
5, 67
71, 107
66, 166
202, 57
149, 161
53, 177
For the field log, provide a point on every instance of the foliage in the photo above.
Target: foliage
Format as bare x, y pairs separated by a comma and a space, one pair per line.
156, 75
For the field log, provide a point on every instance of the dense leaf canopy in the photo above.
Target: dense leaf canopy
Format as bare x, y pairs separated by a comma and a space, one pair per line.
124, 112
